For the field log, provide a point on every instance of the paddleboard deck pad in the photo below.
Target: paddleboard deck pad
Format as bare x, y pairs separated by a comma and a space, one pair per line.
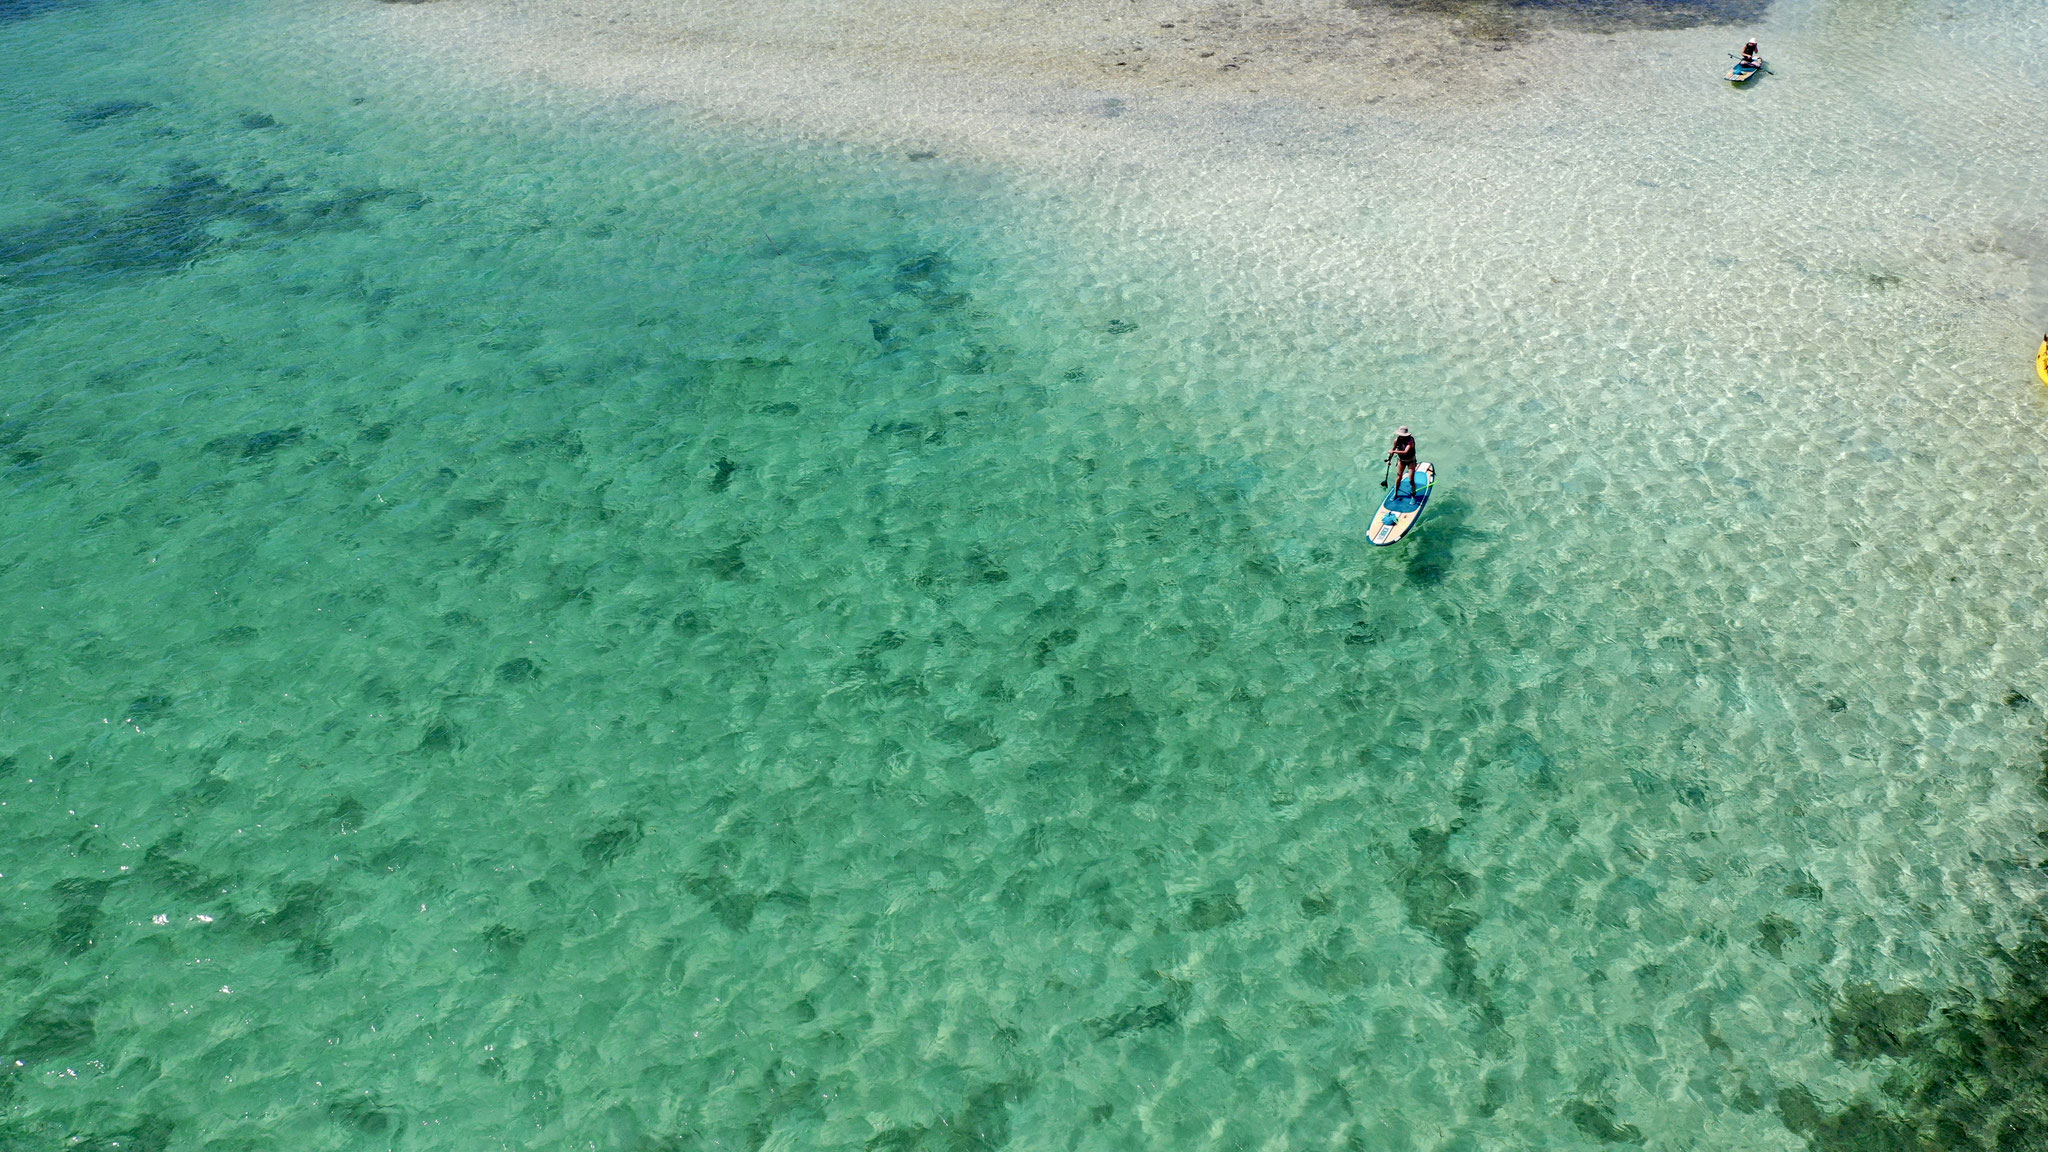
1398, 512
1743, 73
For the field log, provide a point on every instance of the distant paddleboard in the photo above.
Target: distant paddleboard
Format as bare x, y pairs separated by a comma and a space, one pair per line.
2041, 360
1397, 514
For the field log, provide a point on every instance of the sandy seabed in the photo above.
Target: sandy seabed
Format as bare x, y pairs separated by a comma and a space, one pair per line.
1301, 141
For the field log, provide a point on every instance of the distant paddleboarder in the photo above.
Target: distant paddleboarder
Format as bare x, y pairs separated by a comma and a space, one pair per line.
1747, 65
1403, 452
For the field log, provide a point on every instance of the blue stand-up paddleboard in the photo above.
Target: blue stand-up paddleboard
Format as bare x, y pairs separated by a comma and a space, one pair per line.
1397, 514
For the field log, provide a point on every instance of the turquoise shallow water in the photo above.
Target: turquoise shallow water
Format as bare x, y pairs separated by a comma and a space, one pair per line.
551, 626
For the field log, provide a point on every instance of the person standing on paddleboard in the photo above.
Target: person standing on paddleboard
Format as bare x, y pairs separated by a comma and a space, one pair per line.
1404, 452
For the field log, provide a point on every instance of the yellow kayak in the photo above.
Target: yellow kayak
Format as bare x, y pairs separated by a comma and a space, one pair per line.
2041, 360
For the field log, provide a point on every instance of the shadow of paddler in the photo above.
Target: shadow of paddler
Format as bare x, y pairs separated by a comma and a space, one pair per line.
1430, 547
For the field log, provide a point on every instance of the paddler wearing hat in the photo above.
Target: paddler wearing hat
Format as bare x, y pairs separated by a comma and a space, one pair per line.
1403, 452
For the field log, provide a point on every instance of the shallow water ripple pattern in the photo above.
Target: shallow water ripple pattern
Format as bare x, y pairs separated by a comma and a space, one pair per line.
536, 627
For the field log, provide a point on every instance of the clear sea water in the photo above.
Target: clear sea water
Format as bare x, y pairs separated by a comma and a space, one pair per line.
542, 623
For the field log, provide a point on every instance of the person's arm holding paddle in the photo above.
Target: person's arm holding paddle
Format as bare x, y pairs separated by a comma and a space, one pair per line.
1403, 451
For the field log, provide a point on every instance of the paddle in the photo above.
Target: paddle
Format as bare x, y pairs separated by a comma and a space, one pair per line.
1760, 66
1388, 472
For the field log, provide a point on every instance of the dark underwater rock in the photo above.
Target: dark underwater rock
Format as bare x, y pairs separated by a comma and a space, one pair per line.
1510, 19
1212, 911
1972, 1074
504, 942
347, 815
12, 10
171, 225
301, 920
79, 919
1868, 1022
983, 569
263, 444
732, 905
1437, 895
1052, 642
110, 110
1597, 1121
361, 1112
150, 706
1861, 1127
1773, 933
440, 736
1137, 1019
52, 1029
161, 867
981, 1125
612, 841
728, 563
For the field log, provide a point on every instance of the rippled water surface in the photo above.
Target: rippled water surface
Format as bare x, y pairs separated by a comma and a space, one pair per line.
540, 625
